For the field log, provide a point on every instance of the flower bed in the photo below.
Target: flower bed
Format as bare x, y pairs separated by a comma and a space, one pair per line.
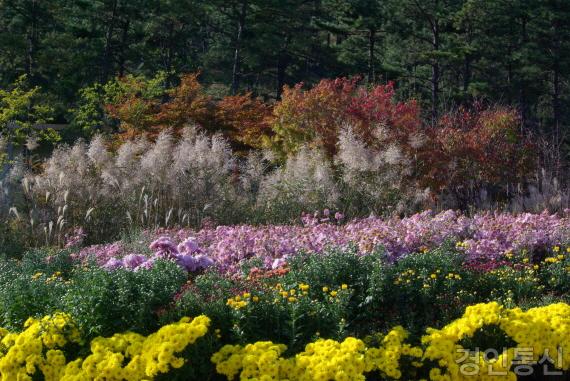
544, 332
484, 238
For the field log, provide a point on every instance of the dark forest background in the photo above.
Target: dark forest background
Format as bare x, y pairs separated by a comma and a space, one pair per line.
444, 53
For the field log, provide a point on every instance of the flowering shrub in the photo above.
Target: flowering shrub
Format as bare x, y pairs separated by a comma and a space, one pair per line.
186, 255
543, 330
37, 348
47, 347
321, 360
40, 348
133, 357
101, 302
317, 306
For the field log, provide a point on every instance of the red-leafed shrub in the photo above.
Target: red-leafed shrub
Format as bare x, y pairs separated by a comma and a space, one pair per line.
365, 130
477, 147
374, 107
316, 116
312, 116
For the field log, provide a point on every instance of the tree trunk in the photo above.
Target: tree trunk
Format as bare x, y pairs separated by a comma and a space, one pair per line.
556, 115
124, 40
108, 54
523, 96
466, 73
237, 50
556, 85
371, 43
32, 44
435, 73
7, 166
281, 67
282, 63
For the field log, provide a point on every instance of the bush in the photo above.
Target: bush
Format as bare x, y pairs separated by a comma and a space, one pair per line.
103, 302
32, 287
407, 290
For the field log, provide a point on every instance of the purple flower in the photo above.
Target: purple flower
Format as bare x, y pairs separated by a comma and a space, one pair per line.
187, 261
113, 264
189, 245
164, 247
146, 265
194, 263
132, 261
486, 236
204, 261
75, 239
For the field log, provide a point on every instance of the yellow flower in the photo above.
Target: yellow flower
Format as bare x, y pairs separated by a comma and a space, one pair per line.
255, 299
292, 299
325, 289
334, 293
344, 286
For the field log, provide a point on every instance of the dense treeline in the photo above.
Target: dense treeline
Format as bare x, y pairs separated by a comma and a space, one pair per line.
442, 52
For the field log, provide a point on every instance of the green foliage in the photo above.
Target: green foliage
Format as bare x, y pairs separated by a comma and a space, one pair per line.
88, 115
408, 290
127, 98
207, 294
11, 240
23, 106
334, 268
104, 302
511, 286
33, 286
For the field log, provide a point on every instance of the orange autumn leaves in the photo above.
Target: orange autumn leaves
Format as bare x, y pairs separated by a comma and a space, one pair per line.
142, 110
